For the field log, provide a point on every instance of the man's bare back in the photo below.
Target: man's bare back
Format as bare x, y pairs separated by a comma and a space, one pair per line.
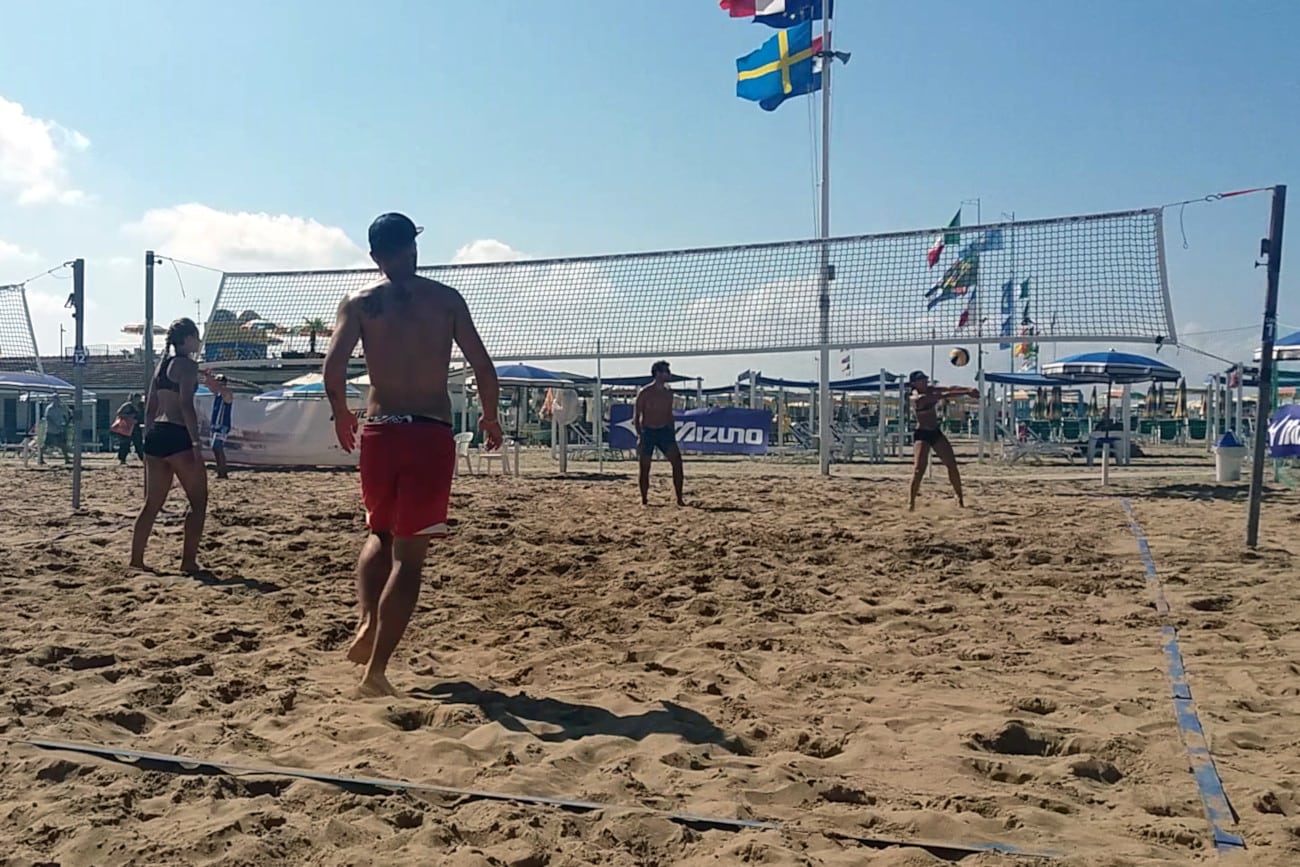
406, 334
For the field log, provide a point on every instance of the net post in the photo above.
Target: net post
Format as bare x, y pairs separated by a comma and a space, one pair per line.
1171, 329
824, 275
78, 372
31, 332
148, 319
600, 413
1263, 406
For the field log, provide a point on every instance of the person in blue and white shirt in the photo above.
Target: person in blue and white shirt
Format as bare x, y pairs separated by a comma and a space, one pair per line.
222, 400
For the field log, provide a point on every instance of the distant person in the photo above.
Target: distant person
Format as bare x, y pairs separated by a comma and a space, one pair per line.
56, 430
172, 448
223, 400
656, 428
129, 430
406, 325
927, 436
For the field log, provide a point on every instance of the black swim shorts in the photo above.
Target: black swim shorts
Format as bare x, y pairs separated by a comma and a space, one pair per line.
662, 438
167, 439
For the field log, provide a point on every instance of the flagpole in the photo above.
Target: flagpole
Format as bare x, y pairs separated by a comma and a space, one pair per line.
823, 279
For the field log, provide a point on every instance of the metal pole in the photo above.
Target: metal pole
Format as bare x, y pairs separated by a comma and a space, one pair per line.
31, 332
148, 320
600, 414
1241, 398
824, 275
1263, 406
78, 372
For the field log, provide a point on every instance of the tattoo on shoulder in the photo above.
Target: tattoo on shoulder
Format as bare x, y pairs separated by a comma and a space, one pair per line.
371, 303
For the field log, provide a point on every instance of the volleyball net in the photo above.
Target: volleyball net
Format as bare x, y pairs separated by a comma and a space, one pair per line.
18, 350
1098, 277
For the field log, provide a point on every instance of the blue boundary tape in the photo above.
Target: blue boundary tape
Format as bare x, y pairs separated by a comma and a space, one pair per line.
1218, 809
380, 785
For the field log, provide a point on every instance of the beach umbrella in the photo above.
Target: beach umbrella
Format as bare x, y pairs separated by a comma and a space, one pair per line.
1285, 348
1152, 401
1094, 408
1180, 399
1054, 404
137, 328
527, 375
1110, 367
306, 391
523, 377
38, 383
1040, 408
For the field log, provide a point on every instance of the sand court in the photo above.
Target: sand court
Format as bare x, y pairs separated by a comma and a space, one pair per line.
789, 650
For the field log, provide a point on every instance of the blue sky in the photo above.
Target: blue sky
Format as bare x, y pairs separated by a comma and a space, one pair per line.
615, 127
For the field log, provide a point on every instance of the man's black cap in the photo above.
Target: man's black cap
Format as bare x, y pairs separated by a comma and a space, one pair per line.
391, 232
916, 375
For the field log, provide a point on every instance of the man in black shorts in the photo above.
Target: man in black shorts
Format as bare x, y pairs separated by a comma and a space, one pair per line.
656, 428
927, 436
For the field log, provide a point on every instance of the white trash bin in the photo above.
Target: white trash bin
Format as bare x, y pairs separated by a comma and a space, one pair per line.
1228, 454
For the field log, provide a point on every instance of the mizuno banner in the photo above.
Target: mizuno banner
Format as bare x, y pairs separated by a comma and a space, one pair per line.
718, 431
1284, 432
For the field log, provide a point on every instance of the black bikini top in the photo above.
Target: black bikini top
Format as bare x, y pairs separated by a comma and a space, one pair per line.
163, 381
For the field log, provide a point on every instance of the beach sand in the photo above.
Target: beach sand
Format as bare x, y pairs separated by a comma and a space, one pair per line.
787, 649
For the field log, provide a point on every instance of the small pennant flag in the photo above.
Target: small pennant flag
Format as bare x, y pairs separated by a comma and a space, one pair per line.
970, 306
1008, 298
775, 13
941, 241
1024, 289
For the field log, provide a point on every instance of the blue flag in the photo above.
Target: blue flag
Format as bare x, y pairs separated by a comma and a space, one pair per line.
1008, 298
783, 67
796, 12
1007, 331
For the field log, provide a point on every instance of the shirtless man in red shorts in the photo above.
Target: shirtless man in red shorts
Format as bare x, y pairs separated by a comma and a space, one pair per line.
406, 325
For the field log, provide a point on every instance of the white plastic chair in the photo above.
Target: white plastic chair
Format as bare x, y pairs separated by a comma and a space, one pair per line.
462, 452
501, 454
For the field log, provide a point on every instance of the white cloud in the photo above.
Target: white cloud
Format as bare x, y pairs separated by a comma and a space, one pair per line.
245, 241
14, 253
33, 157
486, 250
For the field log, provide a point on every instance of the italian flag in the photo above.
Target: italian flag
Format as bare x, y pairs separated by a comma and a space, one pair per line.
941, 241
750, 8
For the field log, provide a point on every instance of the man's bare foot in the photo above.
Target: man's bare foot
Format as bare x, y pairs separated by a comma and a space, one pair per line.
911, 504
373, 685
139, 564
191, 568
359, 651
681, 502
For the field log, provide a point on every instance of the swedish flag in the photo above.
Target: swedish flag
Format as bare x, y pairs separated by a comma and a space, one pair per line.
786, 65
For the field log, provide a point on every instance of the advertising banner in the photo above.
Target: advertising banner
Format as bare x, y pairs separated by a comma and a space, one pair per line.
1284, 432
276, 433
717, 430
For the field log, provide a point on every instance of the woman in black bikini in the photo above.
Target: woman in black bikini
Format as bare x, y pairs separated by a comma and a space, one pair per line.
172, 446
928, 436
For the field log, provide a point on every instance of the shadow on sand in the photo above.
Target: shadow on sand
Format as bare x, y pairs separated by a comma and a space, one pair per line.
575, 721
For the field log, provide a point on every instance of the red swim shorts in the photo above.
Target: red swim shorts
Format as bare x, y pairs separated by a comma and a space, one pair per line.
406, 470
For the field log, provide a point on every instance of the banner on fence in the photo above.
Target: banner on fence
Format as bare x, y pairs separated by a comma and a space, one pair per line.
718, 430
1284, 432
276, 433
